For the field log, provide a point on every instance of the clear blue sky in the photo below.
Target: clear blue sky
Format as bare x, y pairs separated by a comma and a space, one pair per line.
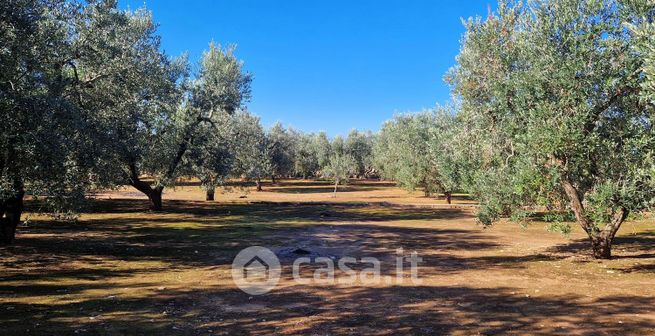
327, 65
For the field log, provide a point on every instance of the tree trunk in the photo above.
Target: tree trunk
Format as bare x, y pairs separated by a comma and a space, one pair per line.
210, 194
449, 197
601, 247
336, 186
273, 179
426, 192
154, 194
601, 240
258, 182
11, 210
155, 199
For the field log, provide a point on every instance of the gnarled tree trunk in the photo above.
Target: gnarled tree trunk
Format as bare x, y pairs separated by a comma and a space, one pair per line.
258, 182
11, 210
449, 197
155, 198
601, 247
601, 239
154, 194
210, 194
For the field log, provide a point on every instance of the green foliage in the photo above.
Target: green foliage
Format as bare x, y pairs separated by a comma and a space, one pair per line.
306, 162
340, 168
359, 145
644, 34
211, 154
417, 151
555, 217
89, 100
221, 84
402, 152
555, 106
65, 69
281, 150
555, 92
560, 227
220, 88
323, 149
252, 159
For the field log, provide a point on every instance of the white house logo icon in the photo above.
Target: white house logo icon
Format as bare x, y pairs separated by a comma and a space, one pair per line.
256, 270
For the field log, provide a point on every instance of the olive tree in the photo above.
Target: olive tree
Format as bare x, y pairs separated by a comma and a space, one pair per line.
645, 46
211, 155
339, 169
305, 155
446, 151
252, 160
34, 82
360, 146
405, 151
137, 94
554, 86
60, 62
161, 133
281, 151
323, 148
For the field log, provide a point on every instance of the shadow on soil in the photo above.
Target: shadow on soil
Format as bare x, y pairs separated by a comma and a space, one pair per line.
634, 246
192, 235
417, 310
322, 190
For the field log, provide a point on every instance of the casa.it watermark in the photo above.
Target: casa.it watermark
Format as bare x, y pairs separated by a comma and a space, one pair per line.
256, 270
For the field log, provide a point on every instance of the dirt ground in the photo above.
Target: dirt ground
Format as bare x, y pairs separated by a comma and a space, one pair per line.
121, 269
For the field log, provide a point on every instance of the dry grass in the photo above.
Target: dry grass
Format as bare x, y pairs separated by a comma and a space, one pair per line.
123, 270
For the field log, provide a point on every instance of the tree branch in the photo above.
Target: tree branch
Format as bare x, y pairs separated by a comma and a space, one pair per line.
613, 226
576, 204
595, 114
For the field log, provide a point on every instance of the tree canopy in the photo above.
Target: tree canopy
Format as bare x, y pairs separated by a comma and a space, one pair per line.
555, 88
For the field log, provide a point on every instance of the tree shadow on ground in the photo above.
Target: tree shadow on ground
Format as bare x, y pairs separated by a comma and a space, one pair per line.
319, 183
638, 245
634, 246
447, 309
302, 310
275, 211
323, 190
195, 236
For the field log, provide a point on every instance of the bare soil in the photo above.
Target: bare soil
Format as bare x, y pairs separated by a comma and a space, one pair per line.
121, 269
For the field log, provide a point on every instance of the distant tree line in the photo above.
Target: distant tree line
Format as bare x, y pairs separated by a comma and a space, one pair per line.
553, 109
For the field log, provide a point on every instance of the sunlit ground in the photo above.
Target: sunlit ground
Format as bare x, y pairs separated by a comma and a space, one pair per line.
123, 270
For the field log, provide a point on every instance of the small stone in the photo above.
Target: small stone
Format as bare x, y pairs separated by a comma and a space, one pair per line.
300, 251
